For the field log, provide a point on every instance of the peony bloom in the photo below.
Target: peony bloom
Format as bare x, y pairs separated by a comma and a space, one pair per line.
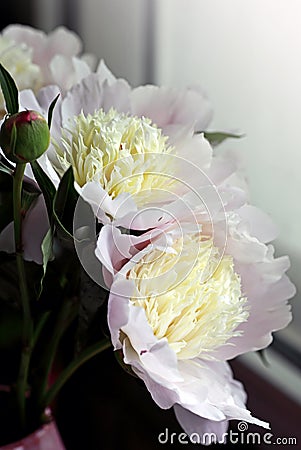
184, 300
35, 59
17, 59
125, 155
121, 158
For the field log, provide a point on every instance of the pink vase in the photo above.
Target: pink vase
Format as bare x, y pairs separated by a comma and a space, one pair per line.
45, 438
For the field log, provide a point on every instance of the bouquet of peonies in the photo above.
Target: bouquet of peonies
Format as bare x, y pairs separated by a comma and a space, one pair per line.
117, 208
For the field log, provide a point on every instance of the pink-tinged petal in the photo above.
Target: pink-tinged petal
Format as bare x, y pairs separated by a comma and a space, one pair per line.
24, 34
91, 60
164, 397
220, 169
35, 227
63, 41
28, 100
201, 431
224, 393
243, 247
232, 197
44, 162
141, 220
59, 42
113, 249
66, 71
116, 96
81, 68
167, 106
92, 94
141, 347
261, 225
269, 311
193, 148
157, 360
46, 96
104, 73
118, 311
102, 204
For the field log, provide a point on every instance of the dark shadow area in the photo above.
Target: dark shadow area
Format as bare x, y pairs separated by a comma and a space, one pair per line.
104, 408
16, 11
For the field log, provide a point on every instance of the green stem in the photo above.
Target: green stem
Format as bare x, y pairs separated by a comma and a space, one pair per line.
27, 330
87, 354
61, 323
39, 327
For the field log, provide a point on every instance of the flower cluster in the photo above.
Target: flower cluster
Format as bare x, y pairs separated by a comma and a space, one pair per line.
187, 260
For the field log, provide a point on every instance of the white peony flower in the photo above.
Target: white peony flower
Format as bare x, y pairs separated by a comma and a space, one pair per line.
36, 59
176, 324
123, 161
17, 59
180, 308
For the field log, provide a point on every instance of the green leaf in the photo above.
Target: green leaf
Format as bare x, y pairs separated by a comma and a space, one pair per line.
5, 169
46, 186
47, 248
47, 252
215, 137
50, 110
64, 204
92, 298
9, 279
10, 91
13, 139
29, 196
5, 165
263, 357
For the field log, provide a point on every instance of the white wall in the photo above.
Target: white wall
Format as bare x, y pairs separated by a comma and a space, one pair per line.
247, 56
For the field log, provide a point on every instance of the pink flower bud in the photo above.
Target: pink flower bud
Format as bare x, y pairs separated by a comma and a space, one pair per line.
24, 136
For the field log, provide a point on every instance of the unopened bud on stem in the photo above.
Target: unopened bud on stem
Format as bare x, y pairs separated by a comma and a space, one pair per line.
24, 136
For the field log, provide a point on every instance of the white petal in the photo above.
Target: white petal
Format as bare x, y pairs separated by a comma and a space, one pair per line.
34, 229
196, 427
166, 106
104, 73
103, 204
261, 225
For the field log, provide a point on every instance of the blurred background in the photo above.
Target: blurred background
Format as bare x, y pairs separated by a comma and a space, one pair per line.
247, 57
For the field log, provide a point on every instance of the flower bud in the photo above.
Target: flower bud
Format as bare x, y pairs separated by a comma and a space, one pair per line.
24, 136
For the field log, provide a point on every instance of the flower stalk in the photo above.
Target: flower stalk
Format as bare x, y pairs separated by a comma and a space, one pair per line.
27, 331
87, 354
61, 323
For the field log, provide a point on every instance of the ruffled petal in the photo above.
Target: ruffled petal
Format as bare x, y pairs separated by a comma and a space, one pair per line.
167, 106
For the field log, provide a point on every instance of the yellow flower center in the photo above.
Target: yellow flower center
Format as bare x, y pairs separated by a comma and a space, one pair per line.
118, 150
204, 304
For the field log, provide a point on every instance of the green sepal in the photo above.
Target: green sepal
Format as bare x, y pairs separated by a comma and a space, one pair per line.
10, 91
64, 204
46, 186
215, 137
50, 110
